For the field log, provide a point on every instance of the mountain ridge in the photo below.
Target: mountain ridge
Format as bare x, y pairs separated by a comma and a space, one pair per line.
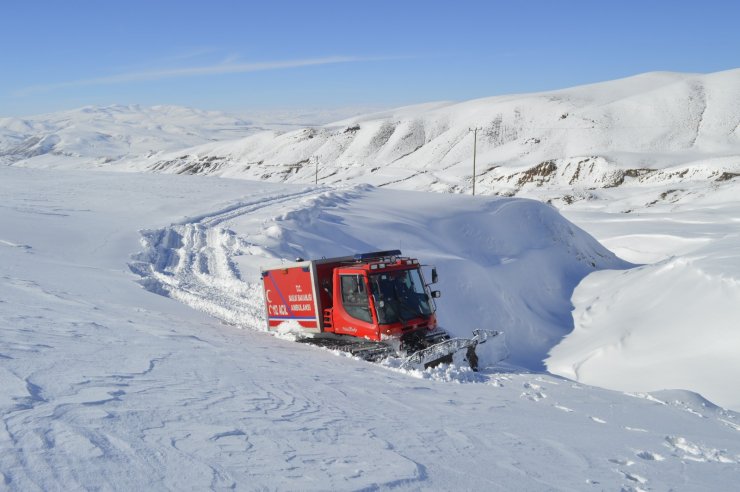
656, 133
634, 128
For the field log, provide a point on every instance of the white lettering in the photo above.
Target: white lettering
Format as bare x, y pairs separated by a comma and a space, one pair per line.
277, 310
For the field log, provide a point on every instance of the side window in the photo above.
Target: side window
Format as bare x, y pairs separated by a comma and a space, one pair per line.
354, 297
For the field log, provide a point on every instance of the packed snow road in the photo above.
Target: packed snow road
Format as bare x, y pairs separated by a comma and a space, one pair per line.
193, 261
108, 386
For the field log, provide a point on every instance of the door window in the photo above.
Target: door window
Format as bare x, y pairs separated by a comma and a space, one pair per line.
354, 297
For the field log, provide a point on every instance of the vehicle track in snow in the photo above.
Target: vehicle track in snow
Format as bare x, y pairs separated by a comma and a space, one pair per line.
192, 261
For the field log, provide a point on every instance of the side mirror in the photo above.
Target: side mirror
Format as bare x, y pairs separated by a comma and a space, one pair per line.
436, 294
435, 277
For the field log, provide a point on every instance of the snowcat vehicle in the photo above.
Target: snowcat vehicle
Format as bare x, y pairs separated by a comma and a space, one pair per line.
372, 305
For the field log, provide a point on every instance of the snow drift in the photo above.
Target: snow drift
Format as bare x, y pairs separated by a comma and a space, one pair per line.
504, 264
672, 322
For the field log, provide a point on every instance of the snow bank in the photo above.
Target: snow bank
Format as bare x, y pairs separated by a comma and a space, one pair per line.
666, 325
672, 323
504, 264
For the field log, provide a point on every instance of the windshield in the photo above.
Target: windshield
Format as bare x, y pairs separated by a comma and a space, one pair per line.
399, 296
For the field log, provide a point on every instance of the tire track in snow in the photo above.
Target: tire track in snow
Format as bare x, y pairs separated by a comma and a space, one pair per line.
191, 261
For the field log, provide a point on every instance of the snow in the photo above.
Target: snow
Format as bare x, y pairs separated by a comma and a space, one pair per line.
107, 385
134, 354
99, 137
665, 127
649, 165
492, 249
672, 322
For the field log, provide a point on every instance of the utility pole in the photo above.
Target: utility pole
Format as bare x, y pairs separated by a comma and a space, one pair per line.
475, 144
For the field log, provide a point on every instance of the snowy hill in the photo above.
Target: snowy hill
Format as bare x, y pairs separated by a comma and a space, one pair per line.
98, 136
652, 133
653, 129
109, 385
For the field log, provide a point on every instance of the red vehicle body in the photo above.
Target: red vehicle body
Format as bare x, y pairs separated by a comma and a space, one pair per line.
371, 296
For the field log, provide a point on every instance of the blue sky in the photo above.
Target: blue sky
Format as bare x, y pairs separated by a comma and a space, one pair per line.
240, 55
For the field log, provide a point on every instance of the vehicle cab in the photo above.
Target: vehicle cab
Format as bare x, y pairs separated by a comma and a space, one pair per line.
381, 296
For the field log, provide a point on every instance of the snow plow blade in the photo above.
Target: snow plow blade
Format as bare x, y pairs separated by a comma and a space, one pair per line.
442, 352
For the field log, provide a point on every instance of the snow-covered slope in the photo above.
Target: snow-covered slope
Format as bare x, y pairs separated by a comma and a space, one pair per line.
506, 264
652, 133
665, 128
106, 385
673, 321
98, 136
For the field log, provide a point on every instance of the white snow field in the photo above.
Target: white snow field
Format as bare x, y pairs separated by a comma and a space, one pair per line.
673, 322
649, 165
107, 385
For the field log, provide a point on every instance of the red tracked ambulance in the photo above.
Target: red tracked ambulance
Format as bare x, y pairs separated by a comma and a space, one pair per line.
360, 304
